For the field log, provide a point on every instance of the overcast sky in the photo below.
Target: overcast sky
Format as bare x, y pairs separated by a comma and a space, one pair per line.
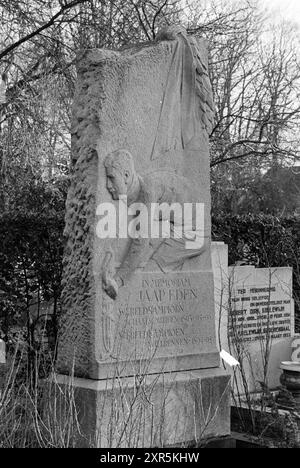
289, 9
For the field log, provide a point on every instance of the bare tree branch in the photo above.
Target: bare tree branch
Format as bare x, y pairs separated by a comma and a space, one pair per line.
49, 23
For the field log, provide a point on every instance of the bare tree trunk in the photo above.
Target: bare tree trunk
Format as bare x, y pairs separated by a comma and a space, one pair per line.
3, 81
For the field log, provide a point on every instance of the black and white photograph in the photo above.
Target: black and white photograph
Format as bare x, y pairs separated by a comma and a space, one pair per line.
149, 227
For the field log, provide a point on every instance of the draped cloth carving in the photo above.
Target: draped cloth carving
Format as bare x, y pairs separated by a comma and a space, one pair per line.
187, 94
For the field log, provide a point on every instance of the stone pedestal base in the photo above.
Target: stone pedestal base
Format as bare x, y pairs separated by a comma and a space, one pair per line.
156, 410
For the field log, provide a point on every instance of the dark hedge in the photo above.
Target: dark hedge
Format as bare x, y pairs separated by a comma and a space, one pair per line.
264, 241
31, 249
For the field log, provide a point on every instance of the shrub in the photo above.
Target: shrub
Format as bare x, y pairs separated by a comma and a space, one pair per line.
264, 241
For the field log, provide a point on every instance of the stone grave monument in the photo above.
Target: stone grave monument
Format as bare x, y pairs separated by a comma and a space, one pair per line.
138, 322
255, 319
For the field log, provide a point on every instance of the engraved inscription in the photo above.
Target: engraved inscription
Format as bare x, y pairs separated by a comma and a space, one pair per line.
165, 316
260, 311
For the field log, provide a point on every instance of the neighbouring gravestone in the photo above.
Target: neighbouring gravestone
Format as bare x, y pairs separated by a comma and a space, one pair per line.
42, 316
254, 317
145, 306
261, 303
296, 349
